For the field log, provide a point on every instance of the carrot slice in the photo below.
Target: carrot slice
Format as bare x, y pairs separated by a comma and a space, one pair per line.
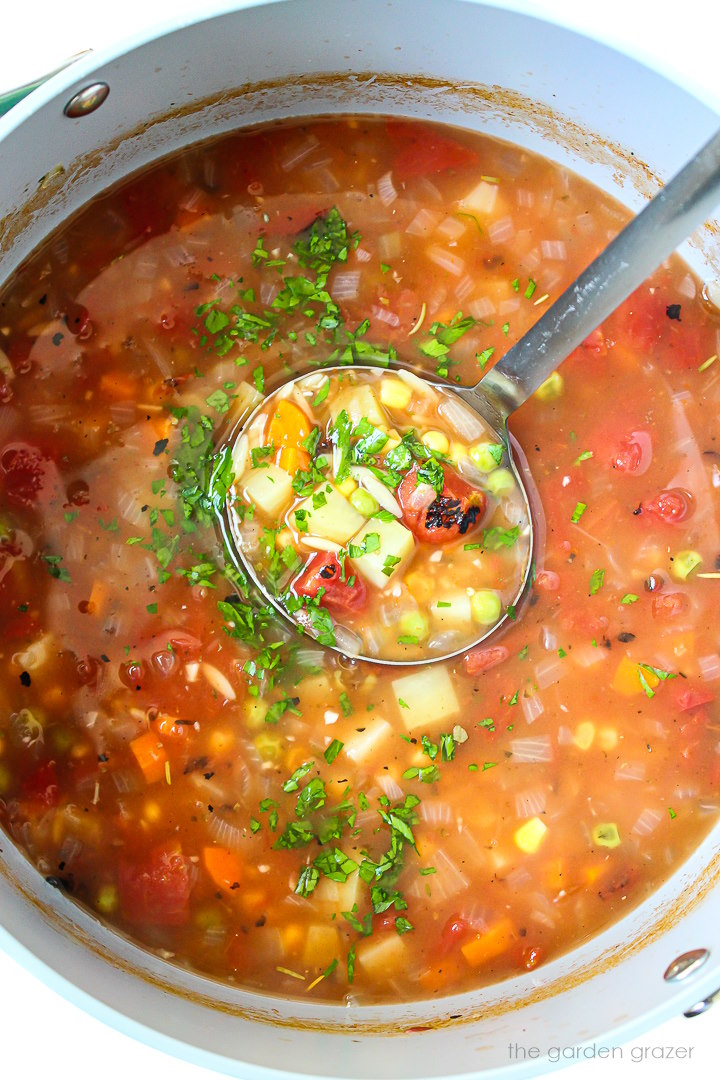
118, 384
150, 756
288, 426
224, 867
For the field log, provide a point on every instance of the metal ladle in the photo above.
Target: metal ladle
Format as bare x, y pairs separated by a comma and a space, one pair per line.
668, 219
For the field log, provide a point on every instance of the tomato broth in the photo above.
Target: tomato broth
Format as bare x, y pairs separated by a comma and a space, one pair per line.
177, 757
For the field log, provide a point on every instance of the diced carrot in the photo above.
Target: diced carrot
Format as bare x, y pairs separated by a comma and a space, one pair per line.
99, 595
150, 756
627, 678
288, 426
491, 943
592, 873
556, 875
224, 867
254, 902
683, 644
292, 458
119, 385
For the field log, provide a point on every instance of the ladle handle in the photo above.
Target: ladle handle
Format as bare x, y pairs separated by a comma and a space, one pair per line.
668, 219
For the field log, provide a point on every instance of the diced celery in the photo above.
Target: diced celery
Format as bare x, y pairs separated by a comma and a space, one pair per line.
683, 564
606, 835
551, 389
414, 624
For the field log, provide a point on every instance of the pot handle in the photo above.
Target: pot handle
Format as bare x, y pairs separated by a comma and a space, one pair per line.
12, 97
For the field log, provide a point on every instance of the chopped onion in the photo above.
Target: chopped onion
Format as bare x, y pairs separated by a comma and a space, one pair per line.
451, 228
482, 308
445, 641
362, 255
191, 672
435, 813
50, 414
380, 492
687, 287
553, 249
550, 671
630, 770
531, 749
325, 179
586, 656
647, 822
549, 639
422, 496
319, 543
468, 426
424, 222
643, 440
345, 285
508, 306
532, 707
530, 803
348, 642
389, 786
525, 198
709, 667
565, 736
464, 287
384, 315
389, 246
501, 230
218, 681
297, 152
445, 260
268, 292
386, 189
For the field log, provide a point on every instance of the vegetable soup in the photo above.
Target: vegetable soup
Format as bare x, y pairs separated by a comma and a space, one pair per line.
378, 538
177, 756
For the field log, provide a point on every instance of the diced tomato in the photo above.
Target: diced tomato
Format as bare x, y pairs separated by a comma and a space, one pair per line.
324, 571
425, 153
630, 454
28, 475
596, 342
77, 318
456, 511
531, 957
692, 697
288, 217
666, 605
453, 934
670, 506
482, 659
41, 786
546, 581
155, 891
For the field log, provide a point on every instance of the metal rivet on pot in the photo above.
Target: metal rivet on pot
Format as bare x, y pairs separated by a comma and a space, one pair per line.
702, 1006
87, 100
686, 965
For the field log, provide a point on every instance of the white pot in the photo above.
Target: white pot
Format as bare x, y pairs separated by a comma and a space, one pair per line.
563, 95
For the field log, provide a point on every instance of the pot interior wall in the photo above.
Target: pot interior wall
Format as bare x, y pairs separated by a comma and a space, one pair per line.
450, 60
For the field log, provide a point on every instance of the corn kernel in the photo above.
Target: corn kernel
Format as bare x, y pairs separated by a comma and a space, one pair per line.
436, 440
607, 738
457, 452
530, 835
683, 564
395, 394
283, 539
551, 389
500, 482
107, 899
584, 735
268, 745
347, 487
485, 456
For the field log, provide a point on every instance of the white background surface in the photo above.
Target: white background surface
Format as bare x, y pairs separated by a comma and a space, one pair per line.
46, 1036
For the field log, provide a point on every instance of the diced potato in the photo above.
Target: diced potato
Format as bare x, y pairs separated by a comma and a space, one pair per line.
362, 744
335, 520
482, 198
459, 613
359, 401
395, 541
380, 957
429, 698
607, 738
322, 945
315, 690
269, 489
394, 393
335, 896
530, 835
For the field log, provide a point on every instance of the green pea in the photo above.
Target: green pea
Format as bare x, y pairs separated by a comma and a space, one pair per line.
364, 502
